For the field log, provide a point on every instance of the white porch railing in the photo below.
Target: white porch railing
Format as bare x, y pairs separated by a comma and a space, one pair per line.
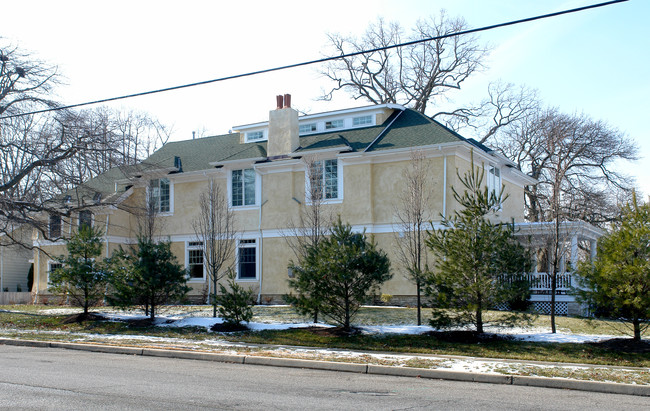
540, 283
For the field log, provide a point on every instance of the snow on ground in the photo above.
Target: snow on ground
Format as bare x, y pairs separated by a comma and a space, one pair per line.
524, 334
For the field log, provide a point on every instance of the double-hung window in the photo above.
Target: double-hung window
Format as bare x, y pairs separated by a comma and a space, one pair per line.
494, 179
55, 226
243, 187
247, 260
85, 218
324, 181
195, 260
52, 266
160, 195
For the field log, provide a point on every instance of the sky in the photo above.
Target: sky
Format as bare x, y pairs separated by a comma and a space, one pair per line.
596, 62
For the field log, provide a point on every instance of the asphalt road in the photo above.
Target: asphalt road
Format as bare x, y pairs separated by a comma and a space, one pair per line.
50, 378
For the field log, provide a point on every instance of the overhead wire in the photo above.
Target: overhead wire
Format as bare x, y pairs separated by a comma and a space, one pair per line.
318, 61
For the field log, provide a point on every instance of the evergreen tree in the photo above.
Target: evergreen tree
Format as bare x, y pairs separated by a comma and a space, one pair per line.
617, 284
82, 279
149, 276
477, 260
341, 271
235, 302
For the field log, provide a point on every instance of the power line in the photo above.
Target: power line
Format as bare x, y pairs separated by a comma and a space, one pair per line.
323, 60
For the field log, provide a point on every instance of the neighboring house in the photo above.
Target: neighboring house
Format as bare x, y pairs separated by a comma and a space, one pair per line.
361, 154
15, 262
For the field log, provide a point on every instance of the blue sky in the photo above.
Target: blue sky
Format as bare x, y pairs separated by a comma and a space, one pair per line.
595, 62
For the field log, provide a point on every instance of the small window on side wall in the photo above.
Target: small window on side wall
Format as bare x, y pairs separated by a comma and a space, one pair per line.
85, 219
55, 226
247, 260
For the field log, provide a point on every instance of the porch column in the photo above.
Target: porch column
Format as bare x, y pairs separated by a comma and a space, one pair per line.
574, 252
593, 249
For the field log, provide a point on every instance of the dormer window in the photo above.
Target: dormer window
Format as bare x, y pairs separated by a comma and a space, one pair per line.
255, 136
329, 125
307, 128
362, 121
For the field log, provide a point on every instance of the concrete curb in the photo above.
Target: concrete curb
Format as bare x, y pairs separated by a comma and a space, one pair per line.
558, 383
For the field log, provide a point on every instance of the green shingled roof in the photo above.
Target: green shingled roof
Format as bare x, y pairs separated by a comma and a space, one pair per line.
402, 129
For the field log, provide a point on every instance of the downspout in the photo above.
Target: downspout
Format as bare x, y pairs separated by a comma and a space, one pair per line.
37, 268
444, 187
261, 247
106, 234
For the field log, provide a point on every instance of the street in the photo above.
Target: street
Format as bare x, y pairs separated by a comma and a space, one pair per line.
47, 378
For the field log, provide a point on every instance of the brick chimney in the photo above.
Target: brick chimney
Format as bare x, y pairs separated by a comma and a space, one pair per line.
283, 128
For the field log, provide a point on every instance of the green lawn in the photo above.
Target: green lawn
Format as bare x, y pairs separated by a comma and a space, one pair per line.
47, 322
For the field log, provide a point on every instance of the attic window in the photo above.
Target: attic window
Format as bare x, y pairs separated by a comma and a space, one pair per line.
333, 124
255, 135
362, 121
307, 128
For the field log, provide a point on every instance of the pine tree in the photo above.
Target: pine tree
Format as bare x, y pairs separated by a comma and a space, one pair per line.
476, 259
341, 270
149, 276
82, 279
617, 284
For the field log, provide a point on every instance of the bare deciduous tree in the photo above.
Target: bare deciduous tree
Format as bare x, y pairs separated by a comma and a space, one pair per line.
411, 212
44, 155
215, 228
506, 105
412, 75
572, 157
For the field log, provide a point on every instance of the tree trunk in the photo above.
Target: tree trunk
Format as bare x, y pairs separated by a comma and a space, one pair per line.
553, 288
419, 292
637, 329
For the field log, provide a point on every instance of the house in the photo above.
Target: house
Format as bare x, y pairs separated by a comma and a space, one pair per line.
15, 263
360, 155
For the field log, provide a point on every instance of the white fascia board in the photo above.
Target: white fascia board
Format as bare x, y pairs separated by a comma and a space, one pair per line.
279, 166
199, 175
399, 154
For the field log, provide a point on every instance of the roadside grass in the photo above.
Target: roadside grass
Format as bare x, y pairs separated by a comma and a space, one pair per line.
47, 323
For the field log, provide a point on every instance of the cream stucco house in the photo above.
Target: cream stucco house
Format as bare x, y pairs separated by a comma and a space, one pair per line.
362, 153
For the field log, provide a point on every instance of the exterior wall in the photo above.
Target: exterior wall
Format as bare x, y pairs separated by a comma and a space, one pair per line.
371, 190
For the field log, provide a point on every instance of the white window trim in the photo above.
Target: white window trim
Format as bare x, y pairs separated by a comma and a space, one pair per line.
255, 245
491, 184
258, 190
171, 196
187, 262
264, 137
339, 183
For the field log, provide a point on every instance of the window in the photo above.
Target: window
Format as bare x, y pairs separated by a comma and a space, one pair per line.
85, 218
243, 187
325, 176
55, 226
247, 260
494, 179
160, 195
52, 266
255, 135
307, 128
195, 260
333, 124
362, 121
